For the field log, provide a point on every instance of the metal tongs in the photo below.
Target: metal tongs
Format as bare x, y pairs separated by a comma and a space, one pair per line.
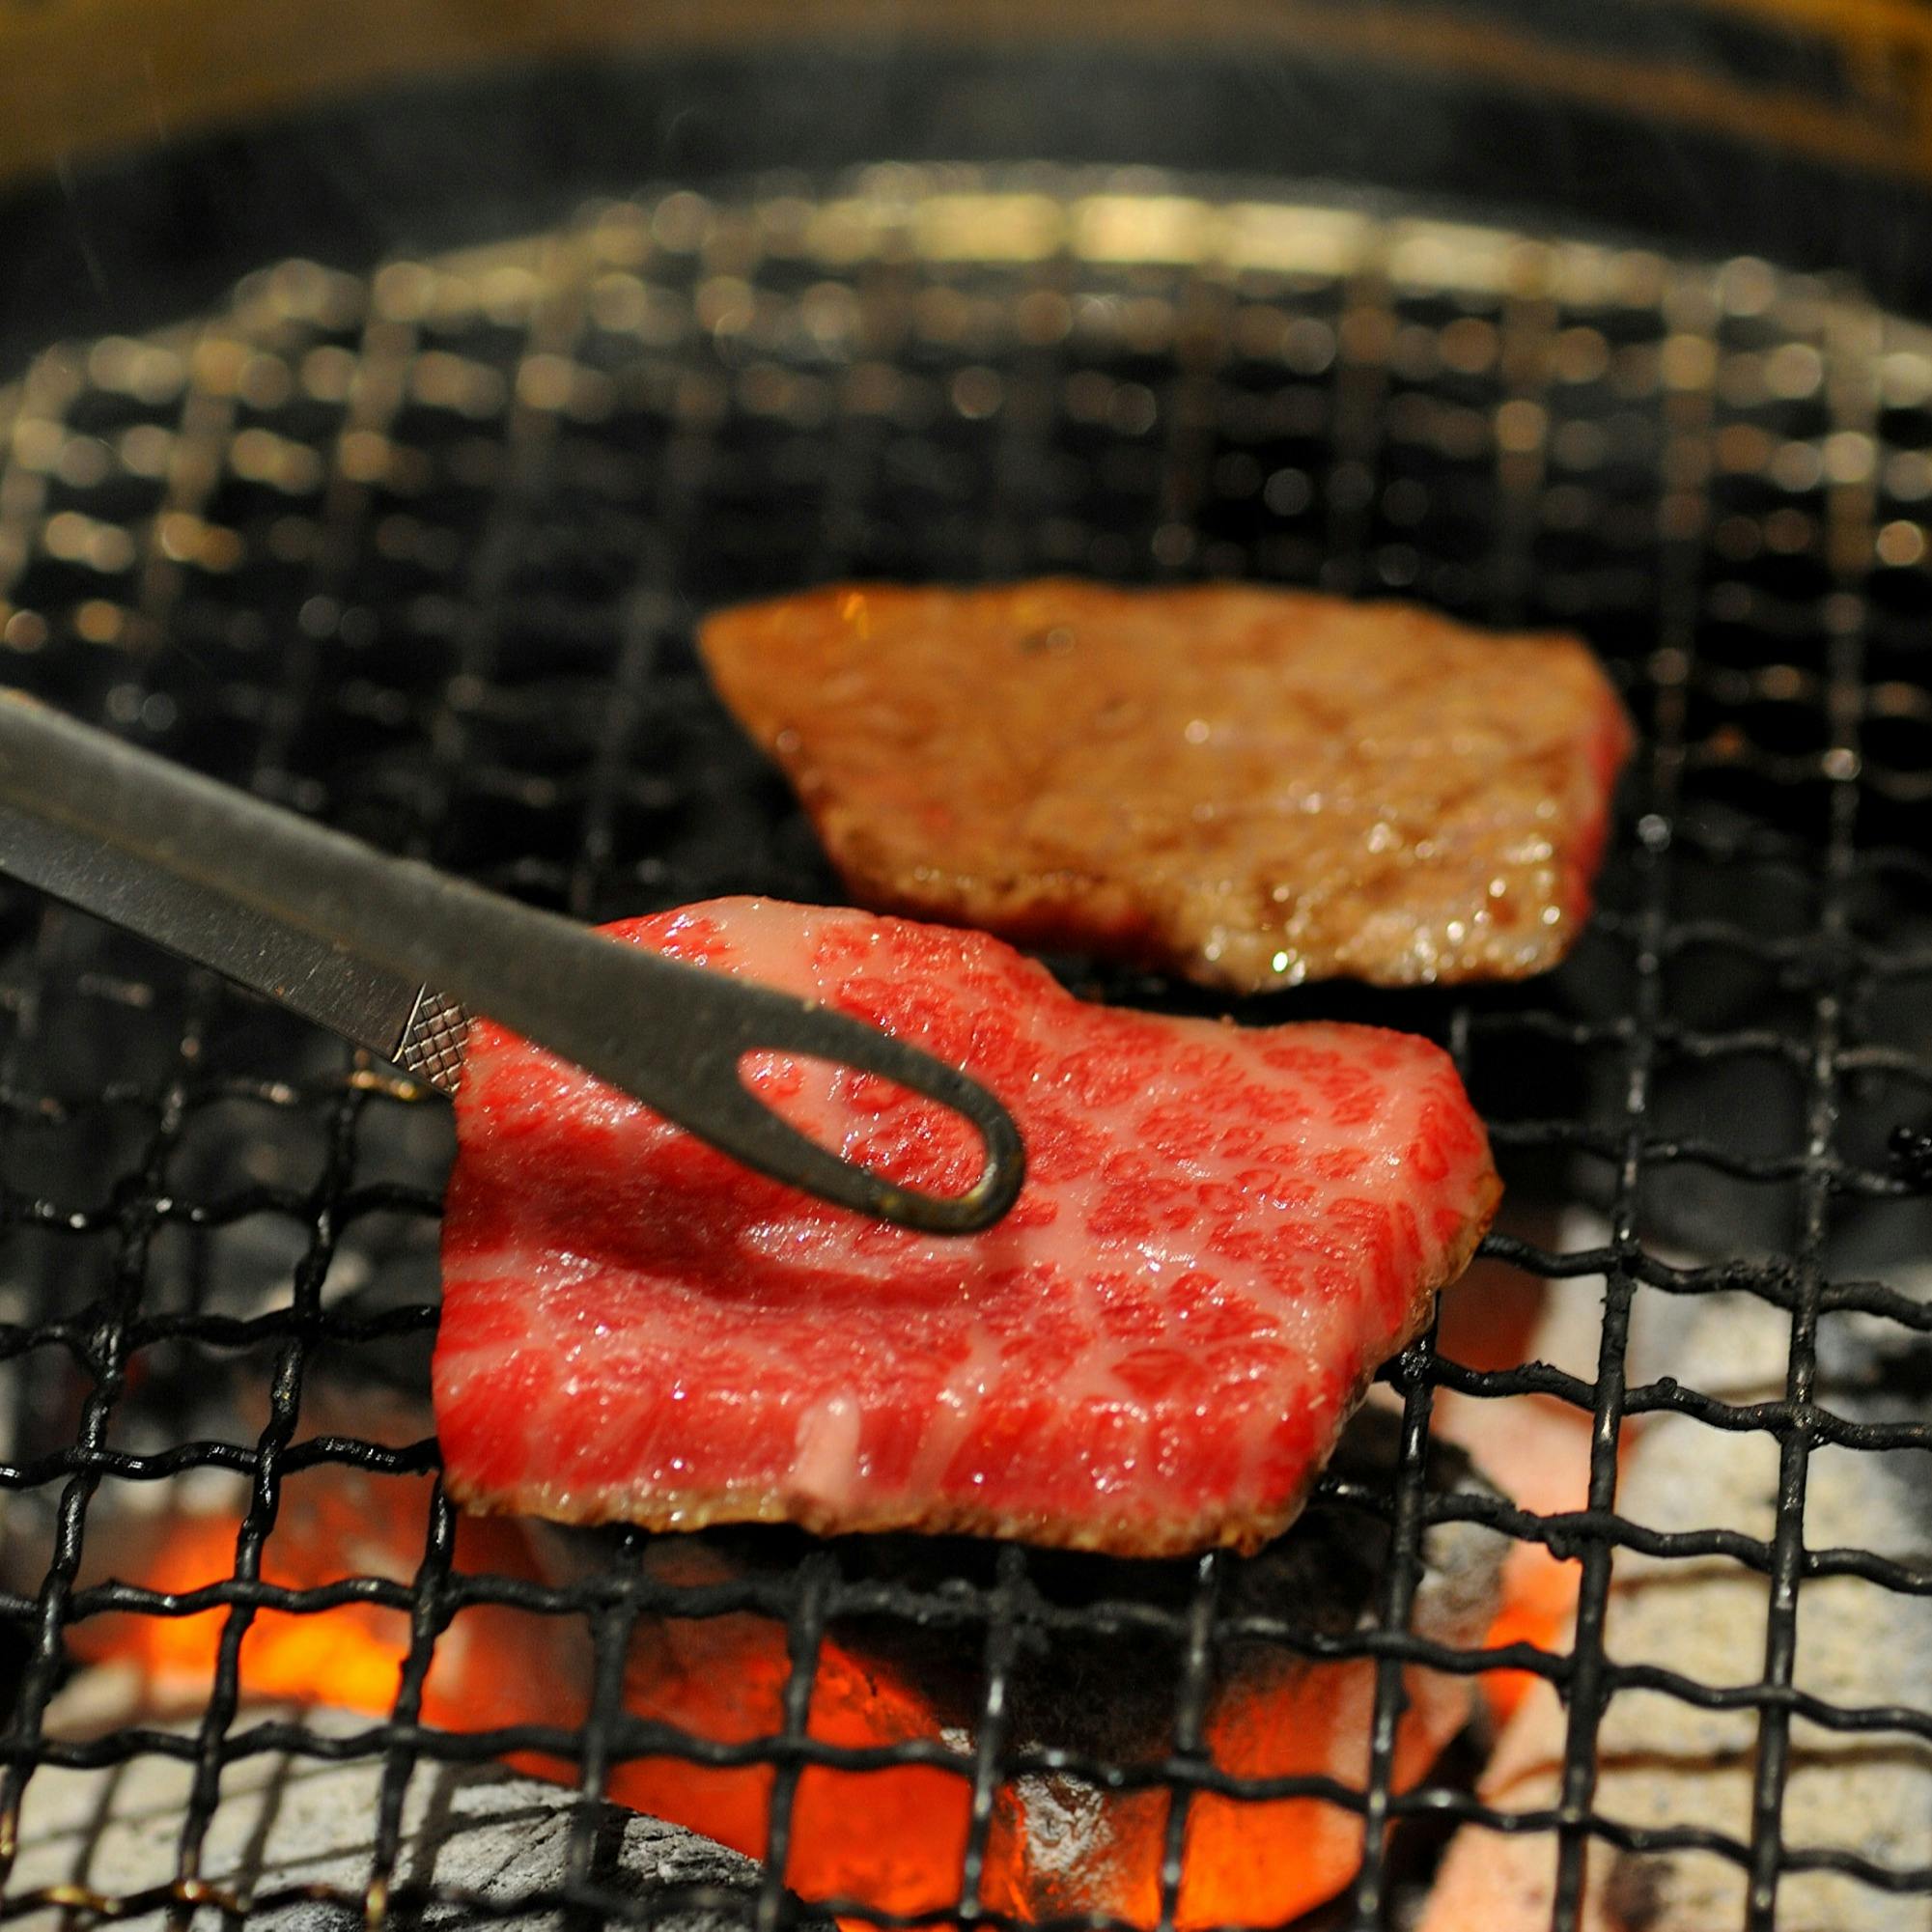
396, 956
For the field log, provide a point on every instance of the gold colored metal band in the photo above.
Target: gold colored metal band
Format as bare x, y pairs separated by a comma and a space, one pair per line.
85, 76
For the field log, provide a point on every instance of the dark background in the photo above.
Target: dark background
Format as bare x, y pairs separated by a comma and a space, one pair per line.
131, 239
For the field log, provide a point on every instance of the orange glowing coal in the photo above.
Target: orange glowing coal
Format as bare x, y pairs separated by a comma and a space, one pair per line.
347, 1656
893, 1838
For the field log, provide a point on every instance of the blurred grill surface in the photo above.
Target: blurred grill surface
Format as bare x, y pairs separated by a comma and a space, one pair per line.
422, 552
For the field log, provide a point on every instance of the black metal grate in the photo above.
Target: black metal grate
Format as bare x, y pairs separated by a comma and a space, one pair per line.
421, 552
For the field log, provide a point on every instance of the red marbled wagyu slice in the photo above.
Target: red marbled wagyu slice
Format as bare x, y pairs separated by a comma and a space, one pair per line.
1223, 1231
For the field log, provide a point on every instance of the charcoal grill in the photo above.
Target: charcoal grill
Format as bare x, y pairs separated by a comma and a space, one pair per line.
421, 551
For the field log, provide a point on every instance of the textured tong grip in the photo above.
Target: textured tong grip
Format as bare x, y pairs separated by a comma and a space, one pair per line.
673, 1036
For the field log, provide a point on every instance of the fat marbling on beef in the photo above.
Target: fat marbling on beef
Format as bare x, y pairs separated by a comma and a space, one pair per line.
1223, 1231
1248, 787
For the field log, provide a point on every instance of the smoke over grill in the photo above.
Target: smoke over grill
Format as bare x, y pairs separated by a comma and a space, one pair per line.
421, 550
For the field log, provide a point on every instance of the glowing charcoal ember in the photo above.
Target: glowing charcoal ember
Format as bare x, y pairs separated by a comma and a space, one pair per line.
1061, 1845
493, 1666
333, 1522
1222, 1233
894, 1837
1246, 787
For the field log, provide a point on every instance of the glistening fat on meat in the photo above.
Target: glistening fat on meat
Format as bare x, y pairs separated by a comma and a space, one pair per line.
1222, 1233
1248, 787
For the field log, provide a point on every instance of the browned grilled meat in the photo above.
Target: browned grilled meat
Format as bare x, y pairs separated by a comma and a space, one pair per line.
1248, 787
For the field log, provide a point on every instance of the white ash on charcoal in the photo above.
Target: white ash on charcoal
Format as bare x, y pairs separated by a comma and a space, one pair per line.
1663, 1762
292, 1840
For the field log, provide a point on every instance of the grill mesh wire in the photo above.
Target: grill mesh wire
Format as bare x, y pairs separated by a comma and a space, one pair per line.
421, 552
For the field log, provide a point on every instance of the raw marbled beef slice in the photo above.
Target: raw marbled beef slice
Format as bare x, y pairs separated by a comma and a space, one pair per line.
1221, 1234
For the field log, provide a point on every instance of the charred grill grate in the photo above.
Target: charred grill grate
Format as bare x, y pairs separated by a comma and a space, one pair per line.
421, 552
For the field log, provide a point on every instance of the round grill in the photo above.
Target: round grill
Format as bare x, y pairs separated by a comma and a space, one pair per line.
421, 551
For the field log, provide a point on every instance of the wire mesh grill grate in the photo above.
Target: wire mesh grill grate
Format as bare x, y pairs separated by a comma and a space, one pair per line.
421, 552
